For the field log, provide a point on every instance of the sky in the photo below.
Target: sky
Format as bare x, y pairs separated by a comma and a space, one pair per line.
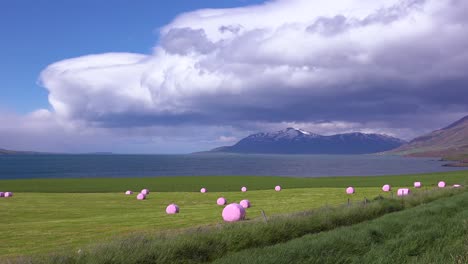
182, 76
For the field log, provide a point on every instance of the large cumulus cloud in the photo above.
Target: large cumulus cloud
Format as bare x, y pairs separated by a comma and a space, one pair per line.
399, 64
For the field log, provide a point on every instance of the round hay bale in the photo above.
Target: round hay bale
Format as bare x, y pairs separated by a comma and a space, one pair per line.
456, 186
244, 189
145, 191
350, 190
8, 194
172, 209
233, 213
277, 188
2, 194
245, 203
417, 184
203, 190
141, 196
221, 201
128, 192
386, 188
441, 184
403, 192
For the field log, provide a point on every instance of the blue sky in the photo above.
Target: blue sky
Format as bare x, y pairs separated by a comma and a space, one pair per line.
40, 32
174, 77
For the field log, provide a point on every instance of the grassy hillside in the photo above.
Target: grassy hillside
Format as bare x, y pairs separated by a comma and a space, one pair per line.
432, 233
217, 183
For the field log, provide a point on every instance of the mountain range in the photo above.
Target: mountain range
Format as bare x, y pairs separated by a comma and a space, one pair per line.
297, 141
450, 142
15, 152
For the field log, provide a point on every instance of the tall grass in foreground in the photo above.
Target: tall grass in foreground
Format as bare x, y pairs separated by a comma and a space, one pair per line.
211, 243
431, 233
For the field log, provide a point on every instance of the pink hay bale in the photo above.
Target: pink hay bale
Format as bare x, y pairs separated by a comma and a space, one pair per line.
350, 190
456, 186
277, 188
8, 194
233, 213
386, 188
2, 194
221, 201
403, 192
172, 209
145, 191
441, 184
203, 190
128, 192
245, 203
417, 184
244, 189
141, 196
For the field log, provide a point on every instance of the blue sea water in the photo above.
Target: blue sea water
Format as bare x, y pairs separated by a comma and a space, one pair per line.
77, 166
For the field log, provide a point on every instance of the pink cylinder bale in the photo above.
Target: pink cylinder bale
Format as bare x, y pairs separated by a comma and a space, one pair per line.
145, 191
8, 194
172, 209
386, 188
141, 196
128, 192
244, 189
417, 184
277, 188
2, 194
203, 190
221, 201
403, 192
245, 203
456, 186
233, 213
350, 190
441, 184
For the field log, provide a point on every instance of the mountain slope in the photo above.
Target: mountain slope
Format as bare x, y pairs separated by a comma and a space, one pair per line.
449, 141
14, 152
296, 141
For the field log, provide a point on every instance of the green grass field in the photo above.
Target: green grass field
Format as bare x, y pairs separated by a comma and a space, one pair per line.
41, 219
217, 183
431, 233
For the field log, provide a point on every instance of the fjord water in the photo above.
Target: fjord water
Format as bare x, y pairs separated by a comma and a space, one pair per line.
77, 166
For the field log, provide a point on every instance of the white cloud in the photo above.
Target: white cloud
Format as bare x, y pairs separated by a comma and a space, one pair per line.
358, 63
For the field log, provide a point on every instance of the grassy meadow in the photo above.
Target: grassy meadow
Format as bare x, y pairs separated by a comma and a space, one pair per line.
431, 233
61, 215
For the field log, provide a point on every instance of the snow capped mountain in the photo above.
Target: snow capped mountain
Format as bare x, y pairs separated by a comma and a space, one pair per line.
297, 141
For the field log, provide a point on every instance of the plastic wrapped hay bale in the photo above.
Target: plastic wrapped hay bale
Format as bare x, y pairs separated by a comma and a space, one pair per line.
244, 189
141, 196
203, 190
2, 194
417, 184
172, 209
403, 192
277, 188
128, 192
245, 203
350, 190
233, 213
386, 188
8, 194
456, 186
145, 191
221, 201
441, 184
